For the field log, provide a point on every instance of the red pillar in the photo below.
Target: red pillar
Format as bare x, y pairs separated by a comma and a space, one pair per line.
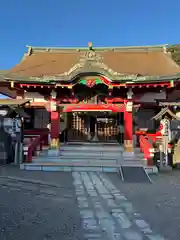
55, 125
128, 129
55, 129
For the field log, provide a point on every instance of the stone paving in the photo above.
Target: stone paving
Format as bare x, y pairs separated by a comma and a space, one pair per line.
105, 211
87, 206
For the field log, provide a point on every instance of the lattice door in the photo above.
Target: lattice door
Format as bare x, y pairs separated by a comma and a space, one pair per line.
107, 130
77, 130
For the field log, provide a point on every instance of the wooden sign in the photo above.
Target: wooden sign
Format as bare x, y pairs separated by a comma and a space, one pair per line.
129, 106
94, 108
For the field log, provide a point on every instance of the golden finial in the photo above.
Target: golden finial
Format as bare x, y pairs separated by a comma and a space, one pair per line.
90, 45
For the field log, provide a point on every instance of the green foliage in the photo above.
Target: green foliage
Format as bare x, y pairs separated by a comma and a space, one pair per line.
175, 52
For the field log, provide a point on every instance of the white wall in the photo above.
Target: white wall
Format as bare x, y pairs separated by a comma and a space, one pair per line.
34, 96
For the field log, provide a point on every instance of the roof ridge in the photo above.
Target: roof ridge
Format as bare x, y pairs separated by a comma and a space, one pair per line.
146, 47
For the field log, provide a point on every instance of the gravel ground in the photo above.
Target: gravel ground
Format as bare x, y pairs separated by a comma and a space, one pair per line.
158, 203
50, 206
35, 211
46, 177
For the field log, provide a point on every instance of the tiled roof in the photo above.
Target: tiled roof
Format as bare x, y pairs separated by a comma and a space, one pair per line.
145, 60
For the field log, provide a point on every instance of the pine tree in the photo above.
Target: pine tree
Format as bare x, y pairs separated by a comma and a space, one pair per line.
175, 52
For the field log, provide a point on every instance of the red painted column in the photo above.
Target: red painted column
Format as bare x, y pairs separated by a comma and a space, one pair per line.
128, 128
55, 125
54, 129
55, 119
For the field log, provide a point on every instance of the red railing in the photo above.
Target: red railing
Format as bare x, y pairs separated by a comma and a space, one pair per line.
146, 146
34, 146
151, 136
37, 132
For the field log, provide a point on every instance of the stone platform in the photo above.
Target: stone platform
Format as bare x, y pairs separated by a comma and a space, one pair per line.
97, 157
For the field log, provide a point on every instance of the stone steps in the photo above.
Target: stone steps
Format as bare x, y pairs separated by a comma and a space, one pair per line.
70, 167
85, 151
90, 163
68, 160
85, 157
95, 149
80, 154
114, 143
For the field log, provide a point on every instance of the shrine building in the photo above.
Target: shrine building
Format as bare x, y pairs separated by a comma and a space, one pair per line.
93, 92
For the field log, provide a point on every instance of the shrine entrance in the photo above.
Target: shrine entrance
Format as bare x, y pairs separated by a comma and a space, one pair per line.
94, 127
91, 117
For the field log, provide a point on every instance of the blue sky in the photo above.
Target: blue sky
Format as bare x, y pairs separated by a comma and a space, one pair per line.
75, 23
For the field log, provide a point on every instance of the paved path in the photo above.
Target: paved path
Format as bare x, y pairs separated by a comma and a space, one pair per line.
105, 211
87, 206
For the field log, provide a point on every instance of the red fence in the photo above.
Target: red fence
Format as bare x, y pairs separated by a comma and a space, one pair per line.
28, 133
35, 145
146, 146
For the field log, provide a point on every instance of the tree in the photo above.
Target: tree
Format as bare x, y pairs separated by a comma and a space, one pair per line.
175, 52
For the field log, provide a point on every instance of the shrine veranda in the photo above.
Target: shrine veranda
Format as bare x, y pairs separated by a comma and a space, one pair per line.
97, 94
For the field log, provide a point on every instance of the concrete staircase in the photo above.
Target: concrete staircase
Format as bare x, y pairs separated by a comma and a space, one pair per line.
85, 157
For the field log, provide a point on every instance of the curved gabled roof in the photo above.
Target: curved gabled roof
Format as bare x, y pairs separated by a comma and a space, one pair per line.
144, 60
164, 111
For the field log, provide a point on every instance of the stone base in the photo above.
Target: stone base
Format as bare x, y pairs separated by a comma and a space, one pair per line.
128, 146
54, 144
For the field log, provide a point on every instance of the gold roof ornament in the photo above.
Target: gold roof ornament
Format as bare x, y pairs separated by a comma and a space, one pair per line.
90, 45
